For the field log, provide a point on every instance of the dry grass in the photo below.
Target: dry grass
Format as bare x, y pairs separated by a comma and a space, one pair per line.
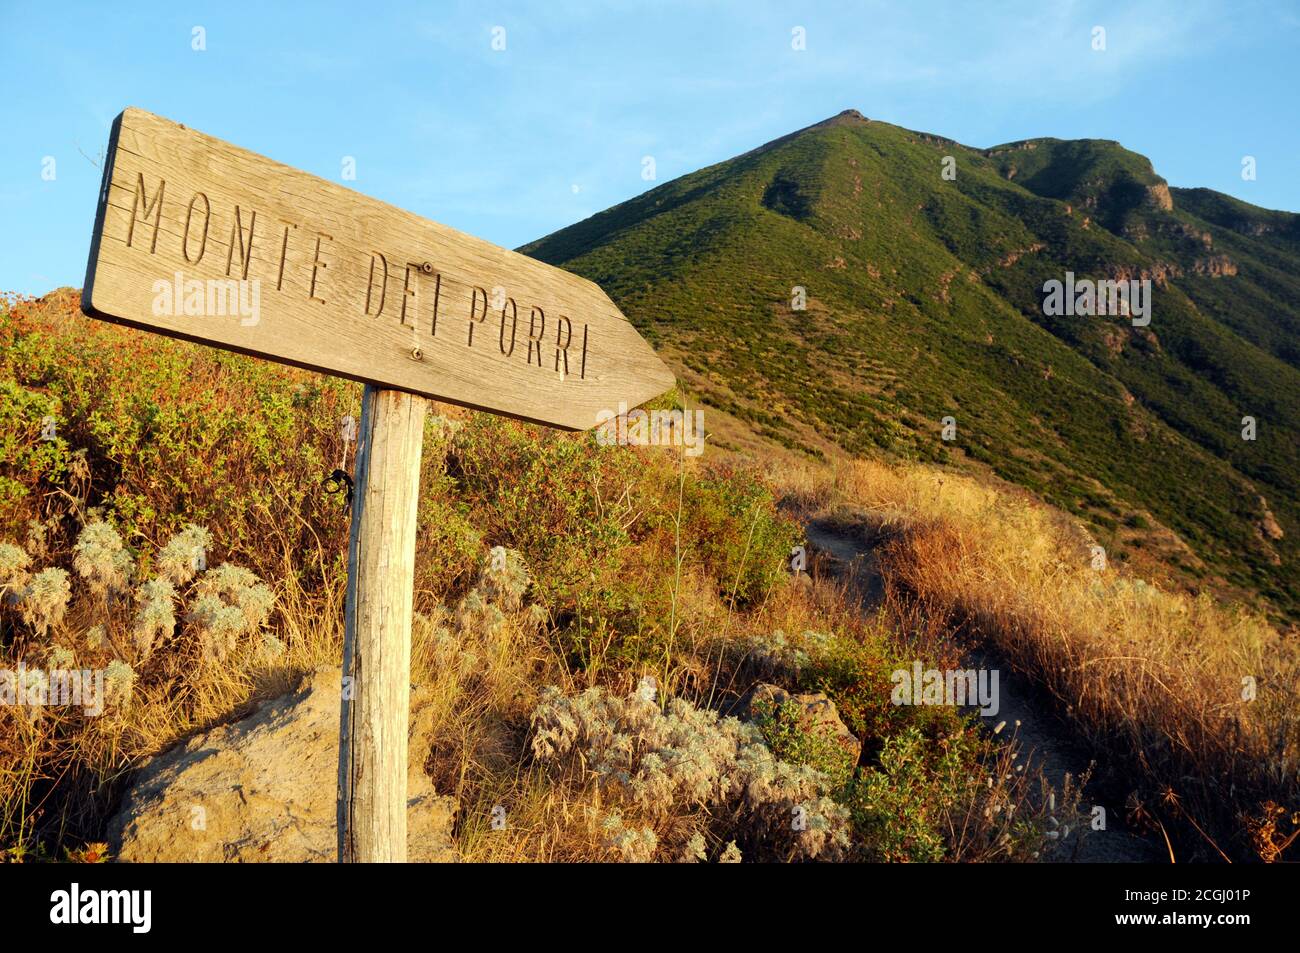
645, 565
57, 762
1192, 701
484, 660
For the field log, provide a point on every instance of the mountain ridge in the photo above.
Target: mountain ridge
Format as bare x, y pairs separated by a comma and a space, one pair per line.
924, 301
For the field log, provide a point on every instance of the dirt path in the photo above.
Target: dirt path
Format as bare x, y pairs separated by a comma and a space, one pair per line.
1045, 741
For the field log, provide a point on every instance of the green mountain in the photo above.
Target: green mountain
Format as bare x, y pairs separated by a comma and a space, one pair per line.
924, 300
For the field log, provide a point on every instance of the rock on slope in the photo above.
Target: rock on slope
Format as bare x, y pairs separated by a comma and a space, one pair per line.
264, 789
816, 714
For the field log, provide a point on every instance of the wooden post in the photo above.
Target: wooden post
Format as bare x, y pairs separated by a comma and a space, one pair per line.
316, 294
377, 631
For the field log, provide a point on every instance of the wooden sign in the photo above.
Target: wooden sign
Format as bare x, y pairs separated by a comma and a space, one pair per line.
198, 239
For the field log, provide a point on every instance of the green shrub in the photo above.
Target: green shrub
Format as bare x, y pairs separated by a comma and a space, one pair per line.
742, 540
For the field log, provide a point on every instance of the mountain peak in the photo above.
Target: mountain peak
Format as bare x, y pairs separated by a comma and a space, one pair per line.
843, 117
833, 292
847, 117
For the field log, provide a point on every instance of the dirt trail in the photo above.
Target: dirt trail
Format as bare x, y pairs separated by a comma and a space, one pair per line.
1045, 741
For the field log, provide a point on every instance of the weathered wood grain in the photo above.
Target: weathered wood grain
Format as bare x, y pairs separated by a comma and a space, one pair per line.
347, 284
377, 629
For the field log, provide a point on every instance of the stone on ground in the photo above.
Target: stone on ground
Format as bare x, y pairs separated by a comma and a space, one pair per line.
264, 788
817, 714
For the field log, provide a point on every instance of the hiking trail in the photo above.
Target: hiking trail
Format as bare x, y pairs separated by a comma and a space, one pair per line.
1045, 742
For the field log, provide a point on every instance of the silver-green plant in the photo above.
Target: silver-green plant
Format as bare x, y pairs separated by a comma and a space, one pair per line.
45, 599
100, 558
219, 626
255, 602
695, 851
504, 579
119, 681
184, 555
634, 845
155, 620
13, 571
271, 648
230, 601
683, 759
226, 580
60, 658
499, 589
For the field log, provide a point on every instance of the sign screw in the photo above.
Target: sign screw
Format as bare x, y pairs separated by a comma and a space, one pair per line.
417, 354
427, 268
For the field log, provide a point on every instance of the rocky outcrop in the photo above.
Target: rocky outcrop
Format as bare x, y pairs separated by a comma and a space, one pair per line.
1160, 272
1253, 229
1192, 239
1114, 338
1216, 266
1192, 236
1268, 524
265, 788
845, 116
1013, 256
817, 714
1159, 197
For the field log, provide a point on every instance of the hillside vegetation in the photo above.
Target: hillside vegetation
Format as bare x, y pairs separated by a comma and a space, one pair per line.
582, 681
621, 566
924, 301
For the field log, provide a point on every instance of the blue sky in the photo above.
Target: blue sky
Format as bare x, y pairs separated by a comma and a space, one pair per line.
513, 144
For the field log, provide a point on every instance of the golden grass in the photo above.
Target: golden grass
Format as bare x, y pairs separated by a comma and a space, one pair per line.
653, 565
1159, 684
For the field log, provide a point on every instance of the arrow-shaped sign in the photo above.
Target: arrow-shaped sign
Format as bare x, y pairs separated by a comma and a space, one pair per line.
202, 240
